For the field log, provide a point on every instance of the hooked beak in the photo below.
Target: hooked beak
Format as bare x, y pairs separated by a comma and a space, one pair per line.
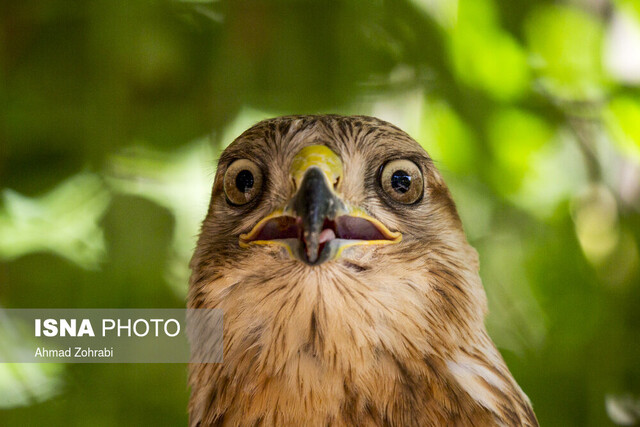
317, 225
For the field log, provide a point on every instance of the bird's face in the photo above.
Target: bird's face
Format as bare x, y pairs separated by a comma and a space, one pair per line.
316, 225
342, 191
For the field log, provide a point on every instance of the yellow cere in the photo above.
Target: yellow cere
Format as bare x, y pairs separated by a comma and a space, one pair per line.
320, 156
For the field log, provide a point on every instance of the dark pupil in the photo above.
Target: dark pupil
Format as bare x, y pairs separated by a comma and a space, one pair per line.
401, 181
244, 181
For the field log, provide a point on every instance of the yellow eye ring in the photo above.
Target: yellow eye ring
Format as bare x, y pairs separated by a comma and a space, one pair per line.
402, 180
242, 182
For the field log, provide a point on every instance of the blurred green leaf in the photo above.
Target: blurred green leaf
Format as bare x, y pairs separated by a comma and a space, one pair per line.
566, 48
486, 57
623, 120
517, 322
632, 5
515, 136
24, 384
623, 410
448, 139
179, 181
444, 12
63, 221
537, 168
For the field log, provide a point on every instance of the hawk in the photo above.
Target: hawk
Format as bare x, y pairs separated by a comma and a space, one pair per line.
350, 293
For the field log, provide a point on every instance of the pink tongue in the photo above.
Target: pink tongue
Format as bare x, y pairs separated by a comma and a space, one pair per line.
326, 235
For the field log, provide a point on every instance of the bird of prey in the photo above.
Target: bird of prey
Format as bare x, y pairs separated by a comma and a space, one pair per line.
350, 293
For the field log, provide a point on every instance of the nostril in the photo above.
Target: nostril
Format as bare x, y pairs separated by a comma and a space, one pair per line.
335, 184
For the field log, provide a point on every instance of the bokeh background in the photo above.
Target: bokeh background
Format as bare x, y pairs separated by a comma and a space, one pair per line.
112, 115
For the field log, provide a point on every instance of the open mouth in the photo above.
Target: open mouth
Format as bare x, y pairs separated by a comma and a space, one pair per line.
316, 225
336, 234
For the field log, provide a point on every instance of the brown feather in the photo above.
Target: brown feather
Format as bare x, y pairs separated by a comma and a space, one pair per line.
388, 335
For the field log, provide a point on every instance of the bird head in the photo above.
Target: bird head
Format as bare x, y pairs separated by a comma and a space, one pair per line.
323, 204
327, 190
348, 287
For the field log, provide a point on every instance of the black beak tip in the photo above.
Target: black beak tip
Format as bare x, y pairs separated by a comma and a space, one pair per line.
313, 204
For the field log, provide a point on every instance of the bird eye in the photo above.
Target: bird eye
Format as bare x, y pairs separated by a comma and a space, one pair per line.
242, 181
402, 180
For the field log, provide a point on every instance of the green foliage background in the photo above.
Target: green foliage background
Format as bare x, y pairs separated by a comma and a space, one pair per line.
112, 114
